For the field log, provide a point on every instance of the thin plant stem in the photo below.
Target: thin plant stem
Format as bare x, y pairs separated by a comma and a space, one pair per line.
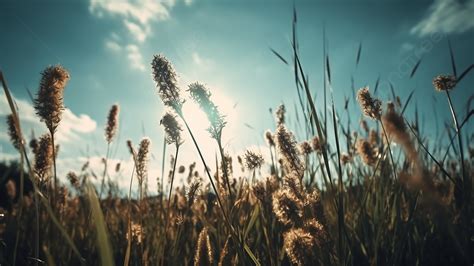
105, 170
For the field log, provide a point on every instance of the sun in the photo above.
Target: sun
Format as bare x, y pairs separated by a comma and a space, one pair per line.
199, 122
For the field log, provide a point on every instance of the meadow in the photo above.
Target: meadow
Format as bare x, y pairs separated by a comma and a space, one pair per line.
379, 194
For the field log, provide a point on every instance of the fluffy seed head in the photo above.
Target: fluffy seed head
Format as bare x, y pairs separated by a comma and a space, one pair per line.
15, 136
280, 114
299, 246
112, 123
366, 152
305, 148
288, 208
165, 79
287, 147
172, 129
142, 159
49, 102
371, 107
44, 157
444, 82
253, 160
73, 179
202, 97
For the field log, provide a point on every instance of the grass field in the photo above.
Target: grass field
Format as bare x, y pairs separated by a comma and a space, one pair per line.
379, 194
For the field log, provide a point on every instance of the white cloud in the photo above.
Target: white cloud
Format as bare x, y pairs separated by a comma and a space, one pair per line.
135, 57
137, 15
447, 16
138, 32
112, 45
69, 129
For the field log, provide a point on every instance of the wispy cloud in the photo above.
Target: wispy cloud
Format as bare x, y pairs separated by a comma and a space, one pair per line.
112, 46
137, 17
70, 128
135, 57
446, 16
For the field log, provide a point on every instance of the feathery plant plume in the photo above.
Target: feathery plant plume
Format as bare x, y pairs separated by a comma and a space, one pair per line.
44, 157
269, 138
204, 252
288, 208
142, 159
202, 96
49, 102
299, 246
305, 148
15, 137
112, 123
371, 107
286, 144
280, 114
253, 160
172, 129
366, 152
166, 81
444, 82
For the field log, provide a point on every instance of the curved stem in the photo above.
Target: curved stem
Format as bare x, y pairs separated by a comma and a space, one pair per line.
105, 170
224, 168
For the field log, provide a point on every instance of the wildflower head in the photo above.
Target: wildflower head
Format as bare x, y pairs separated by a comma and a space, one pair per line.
371, 107
444, 82
202, 97
112, 123
172, 129
49, 102
165, 79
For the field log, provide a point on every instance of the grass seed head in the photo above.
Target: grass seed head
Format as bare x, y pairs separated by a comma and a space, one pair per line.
112, 123
444, 82
49, 102
166, 81
371, 107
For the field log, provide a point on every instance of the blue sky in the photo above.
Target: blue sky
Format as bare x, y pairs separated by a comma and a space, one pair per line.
108, 45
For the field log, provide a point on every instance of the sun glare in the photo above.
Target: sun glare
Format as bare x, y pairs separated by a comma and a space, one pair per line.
199, 122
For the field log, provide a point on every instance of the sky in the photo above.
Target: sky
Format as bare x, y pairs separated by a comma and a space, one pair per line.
107, 46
